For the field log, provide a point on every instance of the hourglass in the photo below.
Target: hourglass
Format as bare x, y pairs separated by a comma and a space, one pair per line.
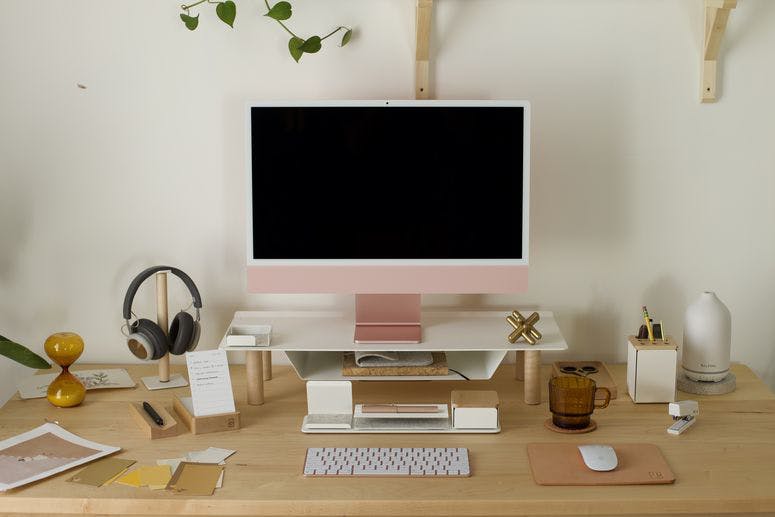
64, 348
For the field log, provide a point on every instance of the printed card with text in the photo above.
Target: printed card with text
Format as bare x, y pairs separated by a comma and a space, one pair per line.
208, 374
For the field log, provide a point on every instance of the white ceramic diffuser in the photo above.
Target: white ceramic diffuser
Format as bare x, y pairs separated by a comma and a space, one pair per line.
707, 339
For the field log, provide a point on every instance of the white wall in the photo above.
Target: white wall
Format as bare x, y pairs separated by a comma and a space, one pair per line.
640, 193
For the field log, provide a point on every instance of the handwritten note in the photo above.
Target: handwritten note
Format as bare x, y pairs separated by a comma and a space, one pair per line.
208, 374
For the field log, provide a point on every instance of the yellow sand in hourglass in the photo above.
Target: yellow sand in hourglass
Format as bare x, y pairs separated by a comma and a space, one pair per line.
64, 348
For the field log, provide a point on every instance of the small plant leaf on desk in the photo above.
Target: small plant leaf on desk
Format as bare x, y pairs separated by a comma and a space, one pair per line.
22, 354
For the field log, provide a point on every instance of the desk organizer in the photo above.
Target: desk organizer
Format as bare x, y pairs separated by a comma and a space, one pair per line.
401, 423
204, 424
475, 409
248, 336
150, 428
651, 369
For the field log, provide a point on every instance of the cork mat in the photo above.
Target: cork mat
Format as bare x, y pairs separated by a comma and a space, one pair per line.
438, 367
561, 464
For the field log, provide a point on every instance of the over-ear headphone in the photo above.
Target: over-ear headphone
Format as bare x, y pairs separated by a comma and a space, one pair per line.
146, 339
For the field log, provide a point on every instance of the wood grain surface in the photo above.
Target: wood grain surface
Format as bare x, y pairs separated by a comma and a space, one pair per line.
724, 464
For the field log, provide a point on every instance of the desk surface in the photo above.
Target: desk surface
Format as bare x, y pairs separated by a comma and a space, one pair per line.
724, 464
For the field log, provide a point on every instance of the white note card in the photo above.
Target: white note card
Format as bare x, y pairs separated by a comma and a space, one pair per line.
208, 374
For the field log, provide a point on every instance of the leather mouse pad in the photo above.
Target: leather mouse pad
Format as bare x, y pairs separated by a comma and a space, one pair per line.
562, 464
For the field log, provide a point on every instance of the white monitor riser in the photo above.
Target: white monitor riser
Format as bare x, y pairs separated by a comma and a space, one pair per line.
475, 344
474, 341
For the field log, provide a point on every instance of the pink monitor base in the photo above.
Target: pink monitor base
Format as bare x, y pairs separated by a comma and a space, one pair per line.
384, 312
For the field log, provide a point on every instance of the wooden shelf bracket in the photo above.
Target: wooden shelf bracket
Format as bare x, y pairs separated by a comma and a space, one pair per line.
716, 17
421, 60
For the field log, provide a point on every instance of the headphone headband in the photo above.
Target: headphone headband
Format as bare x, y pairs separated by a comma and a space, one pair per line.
144, 275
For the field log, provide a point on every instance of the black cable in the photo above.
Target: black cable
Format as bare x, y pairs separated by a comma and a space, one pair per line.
457, 372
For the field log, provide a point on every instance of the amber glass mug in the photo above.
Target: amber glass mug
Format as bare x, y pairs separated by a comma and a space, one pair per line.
572, 401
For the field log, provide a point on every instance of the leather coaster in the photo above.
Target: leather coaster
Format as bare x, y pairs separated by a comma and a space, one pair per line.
550, 425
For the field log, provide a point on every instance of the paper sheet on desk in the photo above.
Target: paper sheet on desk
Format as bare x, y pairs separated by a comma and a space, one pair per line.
208, 374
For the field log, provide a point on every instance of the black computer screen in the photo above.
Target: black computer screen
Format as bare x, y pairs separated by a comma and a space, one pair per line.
352, 182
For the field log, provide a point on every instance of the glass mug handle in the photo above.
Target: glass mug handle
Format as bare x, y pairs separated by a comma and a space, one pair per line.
607, 398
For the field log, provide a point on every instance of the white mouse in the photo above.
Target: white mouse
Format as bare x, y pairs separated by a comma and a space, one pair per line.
601, 458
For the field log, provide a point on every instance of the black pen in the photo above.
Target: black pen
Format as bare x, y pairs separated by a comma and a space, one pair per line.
153, 414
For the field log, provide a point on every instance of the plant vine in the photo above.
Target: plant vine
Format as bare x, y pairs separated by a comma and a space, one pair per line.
279, 12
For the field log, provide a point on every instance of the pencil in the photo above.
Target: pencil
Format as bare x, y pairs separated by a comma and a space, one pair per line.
648, 324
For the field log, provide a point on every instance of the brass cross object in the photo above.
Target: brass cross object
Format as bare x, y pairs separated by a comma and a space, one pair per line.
524, 328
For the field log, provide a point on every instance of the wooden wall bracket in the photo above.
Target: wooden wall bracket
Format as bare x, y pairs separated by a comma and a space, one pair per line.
716, 17
422, 54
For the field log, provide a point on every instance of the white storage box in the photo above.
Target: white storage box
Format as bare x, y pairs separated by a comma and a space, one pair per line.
651, 369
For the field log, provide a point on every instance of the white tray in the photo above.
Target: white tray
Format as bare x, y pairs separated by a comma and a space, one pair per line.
396, 430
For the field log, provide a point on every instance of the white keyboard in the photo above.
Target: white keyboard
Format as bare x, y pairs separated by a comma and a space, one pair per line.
369, 461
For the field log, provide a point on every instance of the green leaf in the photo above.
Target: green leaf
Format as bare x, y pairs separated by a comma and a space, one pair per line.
294, 46
190, 21
280, 11
346, 37
227, 11
21, 354
312, 45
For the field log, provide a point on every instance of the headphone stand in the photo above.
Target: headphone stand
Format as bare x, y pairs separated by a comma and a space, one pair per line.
164, 380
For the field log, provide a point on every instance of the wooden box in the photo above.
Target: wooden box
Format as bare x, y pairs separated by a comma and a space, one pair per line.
602, 378
150, 428
651, 369
204, 424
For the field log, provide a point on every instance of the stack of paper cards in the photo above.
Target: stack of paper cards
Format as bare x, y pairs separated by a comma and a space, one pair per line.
102, 472
208, 373
155, 477
195, 478
211, 455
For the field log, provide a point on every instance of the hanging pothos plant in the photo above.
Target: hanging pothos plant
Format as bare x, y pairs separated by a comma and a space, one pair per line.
280, 12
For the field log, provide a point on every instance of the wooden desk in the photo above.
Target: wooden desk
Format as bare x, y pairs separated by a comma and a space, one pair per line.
724, 464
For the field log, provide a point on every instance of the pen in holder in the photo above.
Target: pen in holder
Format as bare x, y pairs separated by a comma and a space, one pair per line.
151, 429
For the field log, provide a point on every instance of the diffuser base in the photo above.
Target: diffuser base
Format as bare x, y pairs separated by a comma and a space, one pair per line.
726, 385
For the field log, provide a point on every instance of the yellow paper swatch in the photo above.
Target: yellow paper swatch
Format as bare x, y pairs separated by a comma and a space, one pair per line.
155, 477
131, 479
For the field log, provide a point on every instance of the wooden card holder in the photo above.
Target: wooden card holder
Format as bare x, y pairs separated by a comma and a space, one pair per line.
150, 428
205, 424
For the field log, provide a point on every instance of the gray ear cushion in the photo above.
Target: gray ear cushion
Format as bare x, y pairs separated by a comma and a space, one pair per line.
195, 339
181, 333
153, 334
